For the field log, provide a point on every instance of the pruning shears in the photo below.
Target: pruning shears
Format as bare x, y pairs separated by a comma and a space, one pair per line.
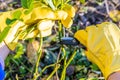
71, 41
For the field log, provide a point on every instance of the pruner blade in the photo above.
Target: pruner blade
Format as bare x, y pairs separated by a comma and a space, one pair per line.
71, 41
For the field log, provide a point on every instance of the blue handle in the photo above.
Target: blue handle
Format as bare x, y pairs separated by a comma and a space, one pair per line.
2, 73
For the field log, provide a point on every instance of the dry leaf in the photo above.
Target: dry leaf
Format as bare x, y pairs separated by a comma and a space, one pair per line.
32, 51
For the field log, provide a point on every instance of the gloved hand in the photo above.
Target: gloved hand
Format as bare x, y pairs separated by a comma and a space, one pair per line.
41, 18
115, 15
103, 46
12, 29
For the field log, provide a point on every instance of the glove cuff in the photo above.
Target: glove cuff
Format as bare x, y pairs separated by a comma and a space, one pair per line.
108, 73
11, 46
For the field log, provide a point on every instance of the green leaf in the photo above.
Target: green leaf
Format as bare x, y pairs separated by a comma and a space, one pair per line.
27, 4
10, 21
4, 33
24, 3
8, 60
94, 67
82, 1
30, 4
22, 70
19, 50
17, 14
27, 12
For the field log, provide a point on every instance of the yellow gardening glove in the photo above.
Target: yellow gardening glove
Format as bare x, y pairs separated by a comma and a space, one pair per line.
103, 46
115, 15
44, 13
10, 38
40, 12
41, 15
43, 26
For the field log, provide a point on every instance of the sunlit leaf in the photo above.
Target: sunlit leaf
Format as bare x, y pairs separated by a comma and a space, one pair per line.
4, 33
10, 21
19, 50
27, 3
94, 67
17, 14
23, 3
82, 1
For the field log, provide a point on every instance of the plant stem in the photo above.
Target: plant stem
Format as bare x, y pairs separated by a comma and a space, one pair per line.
67, 64
71, 58
62, 2
67, 1
51, 65
36, 74
55, 69
60, 31
64, 68
46, 68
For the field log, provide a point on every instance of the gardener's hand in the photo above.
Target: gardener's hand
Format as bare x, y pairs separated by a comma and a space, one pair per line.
103, 46
41, 17
41, 12
10, 39
18, 29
